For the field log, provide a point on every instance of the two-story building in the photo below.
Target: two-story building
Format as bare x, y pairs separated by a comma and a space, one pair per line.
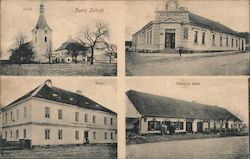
176, 27
52, 116
148, 113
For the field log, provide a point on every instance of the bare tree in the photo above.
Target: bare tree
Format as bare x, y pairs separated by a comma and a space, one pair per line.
110, 50
92, 37
223, 117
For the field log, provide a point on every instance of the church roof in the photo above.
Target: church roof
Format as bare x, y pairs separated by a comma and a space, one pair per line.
159, 106
62, 96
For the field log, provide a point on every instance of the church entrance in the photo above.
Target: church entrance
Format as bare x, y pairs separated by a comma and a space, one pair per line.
170, 38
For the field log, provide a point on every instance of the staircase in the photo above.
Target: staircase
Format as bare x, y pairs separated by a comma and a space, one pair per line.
169, 51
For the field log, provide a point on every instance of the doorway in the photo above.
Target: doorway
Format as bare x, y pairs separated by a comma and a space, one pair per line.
86, 137
189, 127
199, 127
170, 38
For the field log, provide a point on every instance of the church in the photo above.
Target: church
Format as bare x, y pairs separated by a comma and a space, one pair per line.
42, 37
177, 28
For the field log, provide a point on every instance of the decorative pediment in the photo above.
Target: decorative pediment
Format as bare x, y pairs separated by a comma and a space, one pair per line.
171, 20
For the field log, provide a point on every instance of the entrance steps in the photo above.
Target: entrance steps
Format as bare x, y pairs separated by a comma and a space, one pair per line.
169, 51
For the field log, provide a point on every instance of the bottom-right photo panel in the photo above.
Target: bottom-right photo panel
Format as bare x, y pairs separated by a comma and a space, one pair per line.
191, 118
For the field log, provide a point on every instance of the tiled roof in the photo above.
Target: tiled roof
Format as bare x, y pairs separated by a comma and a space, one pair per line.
71, 43
59, 95
41, 23
209, 24
159, 106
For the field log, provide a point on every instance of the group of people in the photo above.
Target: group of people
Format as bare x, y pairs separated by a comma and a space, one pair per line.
167, 129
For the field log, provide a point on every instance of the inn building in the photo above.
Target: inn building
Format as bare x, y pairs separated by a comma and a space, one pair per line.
176, 27
147, 113
49, 115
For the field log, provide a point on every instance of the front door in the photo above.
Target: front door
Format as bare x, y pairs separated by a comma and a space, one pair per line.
189, 128
170, 38
199, 127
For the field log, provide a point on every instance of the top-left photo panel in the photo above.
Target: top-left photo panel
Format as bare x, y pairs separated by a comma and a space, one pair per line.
60, 37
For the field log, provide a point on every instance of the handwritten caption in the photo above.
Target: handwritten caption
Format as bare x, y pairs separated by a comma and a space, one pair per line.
188, 83
89, 10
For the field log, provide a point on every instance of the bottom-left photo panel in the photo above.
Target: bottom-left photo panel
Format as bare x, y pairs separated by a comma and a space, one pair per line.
58, 117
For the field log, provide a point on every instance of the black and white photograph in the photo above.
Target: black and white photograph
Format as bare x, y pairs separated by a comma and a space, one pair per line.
187, 37
59, 37
187, 118
58, 118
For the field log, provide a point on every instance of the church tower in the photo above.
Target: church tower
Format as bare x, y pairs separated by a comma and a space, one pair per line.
42, 37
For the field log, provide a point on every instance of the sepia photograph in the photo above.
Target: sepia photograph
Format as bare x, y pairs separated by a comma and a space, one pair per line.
59, 37
58, 118
187, 37
187, 118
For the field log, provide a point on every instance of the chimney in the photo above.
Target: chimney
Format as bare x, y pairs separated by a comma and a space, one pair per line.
79, 92
48, 82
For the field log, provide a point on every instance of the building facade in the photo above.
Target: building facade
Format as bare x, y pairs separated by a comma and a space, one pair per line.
150, 113
42, 37
51, 116
177, 28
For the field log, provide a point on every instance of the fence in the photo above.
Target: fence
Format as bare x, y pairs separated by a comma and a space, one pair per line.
15, 145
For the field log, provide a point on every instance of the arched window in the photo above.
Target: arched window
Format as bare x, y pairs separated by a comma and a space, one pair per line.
45, 39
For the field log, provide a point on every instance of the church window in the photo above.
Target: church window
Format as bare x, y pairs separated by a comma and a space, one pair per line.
35, 32
196, 37
203, 38
35, 39
45, 39
185, 33
45, 31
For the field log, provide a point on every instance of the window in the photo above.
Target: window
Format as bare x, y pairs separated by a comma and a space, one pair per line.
220, 40
17, 114
105, 135
185, 33
111, 135
213, 40
24, 133
6, 135
150, 36
105, 120
45, 39
214, 125
47, 112
86, 118
111, 121
24, 112
203, 38
77, 116
227, 42
153, 125
196, 37
94, 118
77, 135
236, 43
35, 39
17, 134
178, 125
232, 42
6, 117
60, 134
11, 116
47, 134
94, 135
45, 31
60, 114
11, 134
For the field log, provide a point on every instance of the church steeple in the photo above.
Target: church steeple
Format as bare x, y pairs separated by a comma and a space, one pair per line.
41, 23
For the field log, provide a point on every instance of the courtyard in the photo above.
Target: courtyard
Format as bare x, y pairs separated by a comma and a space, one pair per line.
79, 69
210, 148
160, 64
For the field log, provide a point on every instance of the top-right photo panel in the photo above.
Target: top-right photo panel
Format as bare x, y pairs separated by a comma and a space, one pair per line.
187, 38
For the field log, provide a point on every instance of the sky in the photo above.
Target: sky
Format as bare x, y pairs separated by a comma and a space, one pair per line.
232, 13
63, 17
102, 91
230, 93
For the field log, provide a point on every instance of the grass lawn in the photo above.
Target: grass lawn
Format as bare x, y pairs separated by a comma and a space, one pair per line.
80, 69
74, 152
